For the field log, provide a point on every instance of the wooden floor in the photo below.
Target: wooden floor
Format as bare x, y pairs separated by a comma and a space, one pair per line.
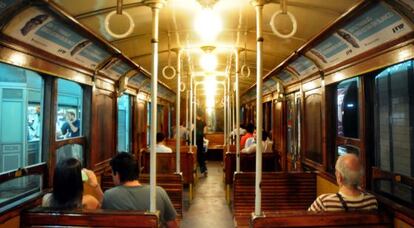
209, 208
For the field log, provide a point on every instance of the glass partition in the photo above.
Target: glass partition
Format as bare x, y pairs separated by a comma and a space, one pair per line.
124, 123
70, 151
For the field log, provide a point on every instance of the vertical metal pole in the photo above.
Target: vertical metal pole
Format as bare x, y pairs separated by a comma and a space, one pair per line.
225, 114
155, 7
236, 52
178, 110
228, 113
186, 111
259, 108
195, 114
190, 135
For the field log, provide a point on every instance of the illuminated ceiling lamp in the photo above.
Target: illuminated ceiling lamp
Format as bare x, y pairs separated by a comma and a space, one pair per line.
208, 23
208, 61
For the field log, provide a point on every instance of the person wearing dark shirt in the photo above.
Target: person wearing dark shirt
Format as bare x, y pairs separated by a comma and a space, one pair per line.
201, 156
70, 128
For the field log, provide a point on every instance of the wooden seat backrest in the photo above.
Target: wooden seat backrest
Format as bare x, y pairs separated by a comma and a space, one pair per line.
173, 185
166, 162
45, 217
216, 140
248, 164
368, 219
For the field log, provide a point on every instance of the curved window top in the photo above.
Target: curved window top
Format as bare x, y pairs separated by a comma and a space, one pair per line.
347, 108
69, 110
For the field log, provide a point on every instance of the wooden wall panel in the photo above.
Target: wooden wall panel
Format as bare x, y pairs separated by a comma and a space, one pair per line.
103, 125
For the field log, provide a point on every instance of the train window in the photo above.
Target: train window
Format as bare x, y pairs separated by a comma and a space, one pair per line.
347, 108
70, 151
21, 117
17, 189
124, 123
293, 126
393, 123
69, 110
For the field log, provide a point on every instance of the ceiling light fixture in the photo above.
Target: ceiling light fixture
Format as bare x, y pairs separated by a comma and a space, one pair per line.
208, 24
208, 62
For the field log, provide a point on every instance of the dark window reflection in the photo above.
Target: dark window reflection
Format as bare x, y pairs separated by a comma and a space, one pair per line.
347, 108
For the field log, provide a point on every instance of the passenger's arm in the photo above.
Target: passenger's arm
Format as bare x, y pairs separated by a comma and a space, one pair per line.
93, 182
172, 223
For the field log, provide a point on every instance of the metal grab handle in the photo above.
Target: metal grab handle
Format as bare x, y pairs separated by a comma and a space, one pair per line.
119, 36
294, 24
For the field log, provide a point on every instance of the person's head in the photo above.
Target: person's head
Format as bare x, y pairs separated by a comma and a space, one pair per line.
250, 128
160, 137
70, 115
67, 184
264, 135
348, 170
124, 168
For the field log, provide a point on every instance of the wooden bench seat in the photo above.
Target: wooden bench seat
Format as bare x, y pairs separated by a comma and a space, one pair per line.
367, 219
280, 191
270, 163
45, 217
172, 183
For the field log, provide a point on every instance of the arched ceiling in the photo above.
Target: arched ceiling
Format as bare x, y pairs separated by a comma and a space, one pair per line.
239, 30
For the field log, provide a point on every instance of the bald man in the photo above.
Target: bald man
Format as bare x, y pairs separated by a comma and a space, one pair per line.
350, 197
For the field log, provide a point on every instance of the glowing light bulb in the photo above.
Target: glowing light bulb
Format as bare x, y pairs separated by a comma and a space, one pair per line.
208, 62
210, 86
208, 24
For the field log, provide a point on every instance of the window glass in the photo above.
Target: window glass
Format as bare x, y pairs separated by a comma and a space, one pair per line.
394, 123
69, 110
345, 149
70, 151
124, 123
19, 188
347, 108
21, 117
394, 119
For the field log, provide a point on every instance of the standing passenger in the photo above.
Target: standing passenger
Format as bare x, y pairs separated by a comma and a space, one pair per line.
130, 194
350, 197
201, 156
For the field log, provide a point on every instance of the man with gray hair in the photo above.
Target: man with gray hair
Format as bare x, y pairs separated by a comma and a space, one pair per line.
350, 197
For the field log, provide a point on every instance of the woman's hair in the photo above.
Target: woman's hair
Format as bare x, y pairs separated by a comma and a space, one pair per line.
67, 185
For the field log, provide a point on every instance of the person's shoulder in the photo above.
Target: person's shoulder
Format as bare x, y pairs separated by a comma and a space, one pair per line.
327, 196
90, 202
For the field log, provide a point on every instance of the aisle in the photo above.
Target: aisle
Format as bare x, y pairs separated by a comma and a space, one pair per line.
209, 209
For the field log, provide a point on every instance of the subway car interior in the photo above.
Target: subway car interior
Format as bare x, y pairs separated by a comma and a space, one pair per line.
325, 85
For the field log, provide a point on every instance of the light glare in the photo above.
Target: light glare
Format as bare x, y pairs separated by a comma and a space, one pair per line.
208, 62
208, 24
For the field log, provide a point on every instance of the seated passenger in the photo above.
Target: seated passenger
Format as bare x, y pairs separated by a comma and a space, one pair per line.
250, 129
250, 141
161, 147
350, 197
68, 187
130, 194
267, 145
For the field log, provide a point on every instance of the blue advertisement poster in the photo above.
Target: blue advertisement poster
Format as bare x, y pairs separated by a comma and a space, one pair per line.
138, 79
302, 66
371, 22
120, 67
94, 53
40, 29
269, 86
285, 76
377, 25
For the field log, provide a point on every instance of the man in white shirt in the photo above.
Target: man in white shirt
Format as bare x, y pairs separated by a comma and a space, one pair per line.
161, 147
